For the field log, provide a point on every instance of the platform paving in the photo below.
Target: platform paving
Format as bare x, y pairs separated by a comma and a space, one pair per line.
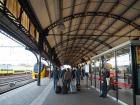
24, 95
87, 96
32, 94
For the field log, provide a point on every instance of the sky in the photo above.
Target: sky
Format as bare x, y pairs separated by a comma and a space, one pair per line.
14, 55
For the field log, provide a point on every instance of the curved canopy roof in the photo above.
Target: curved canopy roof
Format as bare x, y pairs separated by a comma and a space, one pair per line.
81, 29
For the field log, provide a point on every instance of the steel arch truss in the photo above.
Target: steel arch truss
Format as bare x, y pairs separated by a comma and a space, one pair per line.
101, 42
76, 47
82, 14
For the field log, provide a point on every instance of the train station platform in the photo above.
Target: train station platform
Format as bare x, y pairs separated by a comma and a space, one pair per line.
32, 94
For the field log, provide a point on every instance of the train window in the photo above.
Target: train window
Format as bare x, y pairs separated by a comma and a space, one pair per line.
36, 67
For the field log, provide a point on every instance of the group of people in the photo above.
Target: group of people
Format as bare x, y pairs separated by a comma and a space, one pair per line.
67, 75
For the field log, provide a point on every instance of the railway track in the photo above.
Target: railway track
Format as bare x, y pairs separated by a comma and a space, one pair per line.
10, 83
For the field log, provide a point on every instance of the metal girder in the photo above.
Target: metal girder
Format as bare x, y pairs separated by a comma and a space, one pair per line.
26, 7
92, 24
109, 43
81, 20
71, 55
79, 49
105, 14
100, 24
101, 42
64, 34
116, 20
90, 35
91, 19
120, 16
50, 19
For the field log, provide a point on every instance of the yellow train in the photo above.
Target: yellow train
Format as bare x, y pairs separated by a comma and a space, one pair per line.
43, 72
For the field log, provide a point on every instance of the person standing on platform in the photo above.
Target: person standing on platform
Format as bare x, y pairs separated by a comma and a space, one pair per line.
55, 77
73, 74
62, 75
104, 83
77, 75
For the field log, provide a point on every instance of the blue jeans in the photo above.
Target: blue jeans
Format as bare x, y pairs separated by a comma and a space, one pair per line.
78, 81
55, 83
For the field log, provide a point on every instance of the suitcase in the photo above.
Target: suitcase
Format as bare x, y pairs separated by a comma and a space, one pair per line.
58, 89
78, 87
64, 90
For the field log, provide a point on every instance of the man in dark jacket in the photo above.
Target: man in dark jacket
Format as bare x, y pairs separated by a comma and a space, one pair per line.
62, 75
56, 75
104, 83
77, 75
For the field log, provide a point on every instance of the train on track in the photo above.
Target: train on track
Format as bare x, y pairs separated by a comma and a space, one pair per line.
8, 69
43, 72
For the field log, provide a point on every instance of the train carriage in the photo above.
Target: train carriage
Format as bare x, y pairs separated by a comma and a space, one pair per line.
43, 72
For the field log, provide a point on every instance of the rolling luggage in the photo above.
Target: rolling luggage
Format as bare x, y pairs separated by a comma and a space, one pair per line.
58, 89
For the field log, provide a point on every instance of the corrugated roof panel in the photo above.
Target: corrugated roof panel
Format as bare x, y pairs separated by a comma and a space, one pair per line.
121, 40
52, 9
118, 24
137, 20
41, 15
92, 6
132, 13
51, 40
79, 8
105, 7
119, 9
67, 3
66, 12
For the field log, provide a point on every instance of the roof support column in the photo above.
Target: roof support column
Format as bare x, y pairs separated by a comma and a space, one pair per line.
41, 40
